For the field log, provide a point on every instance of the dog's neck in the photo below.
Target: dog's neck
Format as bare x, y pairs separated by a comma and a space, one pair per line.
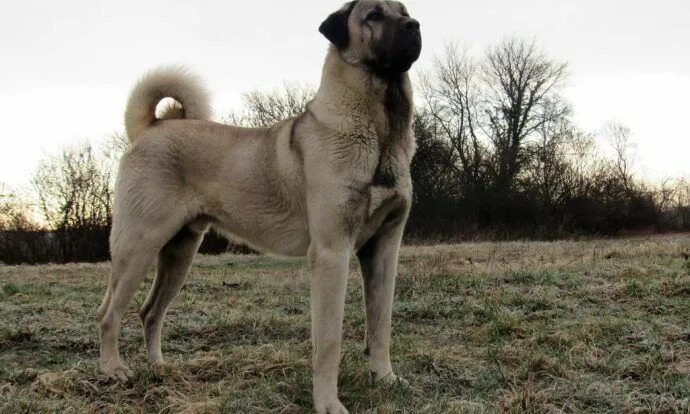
353, 98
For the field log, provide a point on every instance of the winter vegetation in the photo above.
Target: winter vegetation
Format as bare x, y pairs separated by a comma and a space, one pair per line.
498, 158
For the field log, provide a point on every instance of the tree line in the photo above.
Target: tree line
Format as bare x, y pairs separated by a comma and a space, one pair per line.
498, 157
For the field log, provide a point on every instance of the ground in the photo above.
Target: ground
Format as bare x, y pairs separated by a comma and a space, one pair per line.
579, 326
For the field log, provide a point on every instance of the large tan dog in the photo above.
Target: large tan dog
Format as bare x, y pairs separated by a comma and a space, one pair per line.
332, 181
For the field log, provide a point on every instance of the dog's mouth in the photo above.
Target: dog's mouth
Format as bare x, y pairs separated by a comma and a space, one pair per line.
400, 62
404, 51
411, 54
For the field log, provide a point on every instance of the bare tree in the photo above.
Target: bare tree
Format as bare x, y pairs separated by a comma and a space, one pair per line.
619, 137
74, 192
583, 154
452, 95
74, 189
665, 200
115, 146
523, 95
15, 211
263, 109
493, 106
683, 203
548, 167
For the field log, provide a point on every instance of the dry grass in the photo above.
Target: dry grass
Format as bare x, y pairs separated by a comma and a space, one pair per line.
596, 326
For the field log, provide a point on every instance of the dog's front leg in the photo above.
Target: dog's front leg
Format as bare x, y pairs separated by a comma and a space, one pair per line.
329, 270
379, 262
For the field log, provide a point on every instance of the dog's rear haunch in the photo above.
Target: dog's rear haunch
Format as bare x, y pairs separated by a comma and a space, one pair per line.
328, 183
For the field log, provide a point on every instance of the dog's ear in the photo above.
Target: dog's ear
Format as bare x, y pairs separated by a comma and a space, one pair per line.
335, 26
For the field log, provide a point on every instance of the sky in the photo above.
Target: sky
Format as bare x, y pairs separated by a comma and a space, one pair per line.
67, 67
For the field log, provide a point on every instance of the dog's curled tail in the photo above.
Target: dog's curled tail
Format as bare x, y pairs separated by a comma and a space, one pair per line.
192, 99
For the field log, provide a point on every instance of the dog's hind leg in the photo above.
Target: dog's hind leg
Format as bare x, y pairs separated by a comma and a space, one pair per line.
128, 270
174, 261
133, 250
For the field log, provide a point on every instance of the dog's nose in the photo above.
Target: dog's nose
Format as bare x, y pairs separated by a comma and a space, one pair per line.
411, 25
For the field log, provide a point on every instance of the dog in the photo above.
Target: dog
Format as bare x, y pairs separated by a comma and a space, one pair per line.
329, 183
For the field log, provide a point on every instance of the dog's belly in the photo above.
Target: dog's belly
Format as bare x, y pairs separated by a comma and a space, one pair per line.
280, 233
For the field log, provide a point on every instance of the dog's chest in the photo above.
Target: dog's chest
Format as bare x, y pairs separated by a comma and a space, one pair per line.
384, 205
390, 182
390, 186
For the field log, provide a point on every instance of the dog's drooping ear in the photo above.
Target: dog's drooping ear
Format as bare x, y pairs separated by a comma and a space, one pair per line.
335, 26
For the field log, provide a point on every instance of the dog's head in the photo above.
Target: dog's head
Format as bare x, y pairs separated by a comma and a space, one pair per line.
377, 33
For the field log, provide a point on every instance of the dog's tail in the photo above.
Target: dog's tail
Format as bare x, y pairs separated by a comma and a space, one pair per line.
192, 99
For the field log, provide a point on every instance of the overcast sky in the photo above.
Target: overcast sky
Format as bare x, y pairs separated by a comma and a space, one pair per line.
67, 67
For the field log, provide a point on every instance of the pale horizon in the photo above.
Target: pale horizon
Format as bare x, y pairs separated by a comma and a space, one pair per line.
69, 67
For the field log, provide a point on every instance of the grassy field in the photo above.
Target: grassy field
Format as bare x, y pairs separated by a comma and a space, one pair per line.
593, 326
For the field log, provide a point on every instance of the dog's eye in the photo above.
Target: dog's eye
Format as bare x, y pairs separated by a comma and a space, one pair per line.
375, 16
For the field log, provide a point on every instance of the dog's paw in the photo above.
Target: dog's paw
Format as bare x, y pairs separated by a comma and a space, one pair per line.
390, 380
159, 364
117, 372
331, 407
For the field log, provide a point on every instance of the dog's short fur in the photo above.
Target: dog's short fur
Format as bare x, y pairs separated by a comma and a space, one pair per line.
332, 181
